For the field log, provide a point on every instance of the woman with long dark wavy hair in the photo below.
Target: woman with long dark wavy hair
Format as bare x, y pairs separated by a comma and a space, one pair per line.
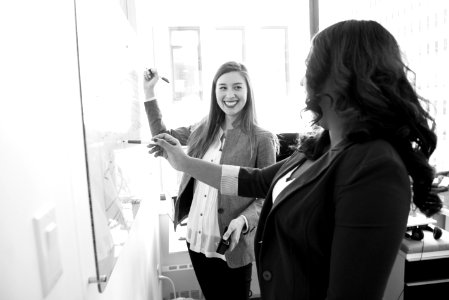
229, 134
336, 211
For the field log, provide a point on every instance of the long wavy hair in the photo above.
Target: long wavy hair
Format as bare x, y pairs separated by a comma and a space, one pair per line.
203, 136
374, 95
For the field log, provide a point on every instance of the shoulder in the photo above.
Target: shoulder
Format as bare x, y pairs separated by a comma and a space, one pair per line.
373, 150
266, 138
199, 126
372, 155
262, 133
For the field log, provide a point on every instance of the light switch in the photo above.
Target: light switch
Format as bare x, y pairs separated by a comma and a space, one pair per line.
46, 231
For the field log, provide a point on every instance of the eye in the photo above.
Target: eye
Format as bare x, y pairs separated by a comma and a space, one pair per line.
238, 87
222, 88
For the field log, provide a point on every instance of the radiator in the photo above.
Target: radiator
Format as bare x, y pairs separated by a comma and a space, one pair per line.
185, 281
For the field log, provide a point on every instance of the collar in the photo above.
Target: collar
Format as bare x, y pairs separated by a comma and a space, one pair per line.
313, 172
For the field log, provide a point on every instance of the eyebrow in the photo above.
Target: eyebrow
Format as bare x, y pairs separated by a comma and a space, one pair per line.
235, 83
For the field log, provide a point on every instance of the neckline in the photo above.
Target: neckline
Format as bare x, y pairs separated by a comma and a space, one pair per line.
300, 164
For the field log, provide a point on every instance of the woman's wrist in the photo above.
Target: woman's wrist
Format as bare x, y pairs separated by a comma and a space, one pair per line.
182, 162
149, 95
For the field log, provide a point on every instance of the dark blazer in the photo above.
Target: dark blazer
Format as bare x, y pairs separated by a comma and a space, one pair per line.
335, 231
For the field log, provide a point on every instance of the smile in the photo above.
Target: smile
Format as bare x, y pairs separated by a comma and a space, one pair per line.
231, 103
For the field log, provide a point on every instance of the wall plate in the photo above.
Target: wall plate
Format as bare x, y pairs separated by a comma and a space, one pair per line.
46, 232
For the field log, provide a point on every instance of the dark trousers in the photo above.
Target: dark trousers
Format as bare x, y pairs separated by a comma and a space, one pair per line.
218, 281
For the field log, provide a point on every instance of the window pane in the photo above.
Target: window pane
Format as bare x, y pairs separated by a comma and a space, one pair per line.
277, 70
186, 63
228, 45
273, 52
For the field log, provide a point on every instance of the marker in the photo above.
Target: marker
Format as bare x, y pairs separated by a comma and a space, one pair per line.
136, 142
163, 78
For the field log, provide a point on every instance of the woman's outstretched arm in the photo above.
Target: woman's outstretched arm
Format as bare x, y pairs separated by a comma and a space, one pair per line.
167, 146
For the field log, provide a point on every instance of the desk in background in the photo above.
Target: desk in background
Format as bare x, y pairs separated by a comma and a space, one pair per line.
443, 218
445, 198
421, 270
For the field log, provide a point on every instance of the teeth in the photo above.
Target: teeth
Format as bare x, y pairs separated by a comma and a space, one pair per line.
230, 103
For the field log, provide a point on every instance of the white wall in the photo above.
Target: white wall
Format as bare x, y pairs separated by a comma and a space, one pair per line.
42, 164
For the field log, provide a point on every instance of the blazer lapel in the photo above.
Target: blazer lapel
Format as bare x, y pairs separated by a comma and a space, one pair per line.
288, 166
314, 171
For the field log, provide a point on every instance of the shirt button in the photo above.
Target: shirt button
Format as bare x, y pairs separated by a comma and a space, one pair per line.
199, 232
266, 275
201, 215
220, 210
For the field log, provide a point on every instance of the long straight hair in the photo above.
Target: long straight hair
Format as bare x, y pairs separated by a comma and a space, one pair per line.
204, 134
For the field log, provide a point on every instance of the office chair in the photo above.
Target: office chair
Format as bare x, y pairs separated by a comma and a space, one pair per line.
287, 145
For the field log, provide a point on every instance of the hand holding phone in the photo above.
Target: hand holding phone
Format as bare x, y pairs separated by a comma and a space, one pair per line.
224, 244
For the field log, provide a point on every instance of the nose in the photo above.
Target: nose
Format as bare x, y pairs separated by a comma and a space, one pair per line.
230, 94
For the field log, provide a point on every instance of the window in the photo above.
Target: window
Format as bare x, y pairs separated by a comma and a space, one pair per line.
227, 45
186, 63
272, 40
273, 49
430, 65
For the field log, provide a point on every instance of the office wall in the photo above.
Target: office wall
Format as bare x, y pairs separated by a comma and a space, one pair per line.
42, 164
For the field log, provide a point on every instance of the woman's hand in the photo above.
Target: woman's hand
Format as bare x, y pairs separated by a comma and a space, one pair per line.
150, 78
168, 147
234, 231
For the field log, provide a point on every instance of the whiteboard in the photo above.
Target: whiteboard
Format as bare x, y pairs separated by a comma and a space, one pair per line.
111, 112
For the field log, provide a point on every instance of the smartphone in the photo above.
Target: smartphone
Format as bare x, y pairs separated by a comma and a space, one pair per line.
224, 244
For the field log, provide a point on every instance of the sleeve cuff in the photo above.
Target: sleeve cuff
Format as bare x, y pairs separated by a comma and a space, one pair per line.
150, 99
229, 180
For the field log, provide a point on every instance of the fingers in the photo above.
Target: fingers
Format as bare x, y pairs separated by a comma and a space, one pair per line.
157, 151
159, 146
168, 147
228, 233
150, 73
166, 138
146, 75
234, 238
154, 148
162, 143
233, 232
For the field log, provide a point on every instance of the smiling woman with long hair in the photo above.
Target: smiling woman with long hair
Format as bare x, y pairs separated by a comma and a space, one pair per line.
228, 135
